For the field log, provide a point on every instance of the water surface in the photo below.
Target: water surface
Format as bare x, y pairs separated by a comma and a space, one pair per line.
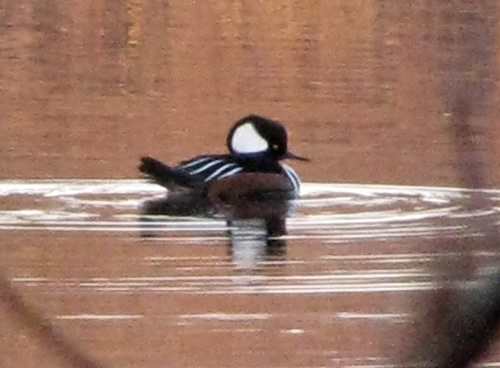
342, 293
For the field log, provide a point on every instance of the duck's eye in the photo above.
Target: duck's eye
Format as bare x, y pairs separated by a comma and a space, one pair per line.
275, 147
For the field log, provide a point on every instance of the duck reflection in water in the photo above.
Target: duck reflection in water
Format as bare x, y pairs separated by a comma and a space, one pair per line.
248, 186
254, 226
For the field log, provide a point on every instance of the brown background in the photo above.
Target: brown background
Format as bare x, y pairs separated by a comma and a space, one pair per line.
366, 87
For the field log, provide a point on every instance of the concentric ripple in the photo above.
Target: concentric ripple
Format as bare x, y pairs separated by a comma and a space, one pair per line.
334, 213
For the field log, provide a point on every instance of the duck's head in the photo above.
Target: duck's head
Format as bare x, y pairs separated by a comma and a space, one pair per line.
256, 135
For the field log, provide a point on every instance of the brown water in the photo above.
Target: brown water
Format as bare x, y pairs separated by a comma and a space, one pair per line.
369, 90
344, 293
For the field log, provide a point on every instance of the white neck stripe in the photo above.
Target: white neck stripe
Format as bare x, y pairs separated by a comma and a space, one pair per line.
293, 177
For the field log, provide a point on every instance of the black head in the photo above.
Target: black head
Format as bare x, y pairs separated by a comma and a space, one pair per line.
255, 134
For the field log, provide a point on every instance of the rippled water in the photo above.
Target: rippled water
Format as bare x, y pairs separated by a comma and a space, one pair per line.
333, 213
341, 293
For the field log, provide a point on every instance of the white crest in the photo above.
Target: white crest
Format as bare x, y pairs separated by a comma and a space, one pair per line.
246, 139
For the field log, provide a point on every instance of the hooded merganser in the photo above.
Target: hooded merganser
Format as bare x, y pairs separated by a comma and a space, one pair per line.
251, 169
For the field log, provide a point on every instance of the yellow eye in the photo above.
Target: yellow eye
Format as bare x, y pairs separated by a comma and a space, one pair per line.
275, 147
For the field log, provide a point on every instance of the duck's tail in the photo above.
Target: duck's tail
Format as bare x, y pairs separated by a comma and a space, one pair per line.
168, 177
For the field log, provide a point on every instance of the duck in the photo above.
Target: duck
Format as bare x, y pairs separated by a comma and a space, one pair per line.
251, 169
